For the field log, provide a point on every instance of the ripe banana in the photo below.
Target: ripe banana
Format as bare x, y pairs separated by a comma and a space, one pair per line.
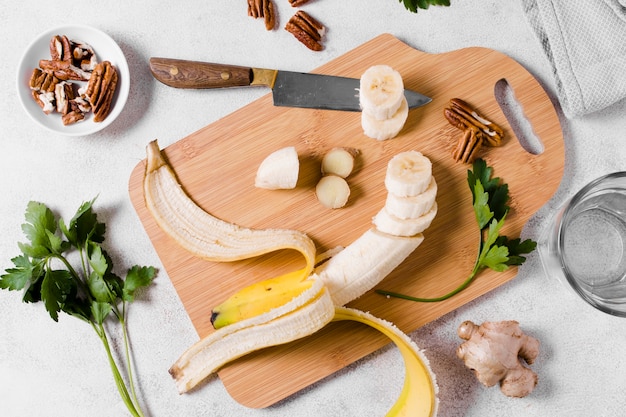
203, 234
418, 397
408, 174
363, 264
259, 298
279, 170
381, 91
302, 316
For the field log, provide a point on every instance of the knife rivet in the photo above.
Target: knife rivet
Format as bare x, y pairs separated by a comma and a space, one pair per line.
173, 70
225, 75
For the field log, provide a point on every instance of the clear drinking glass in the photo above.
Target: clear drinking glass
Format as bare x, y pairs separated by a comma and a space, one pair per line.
585, 244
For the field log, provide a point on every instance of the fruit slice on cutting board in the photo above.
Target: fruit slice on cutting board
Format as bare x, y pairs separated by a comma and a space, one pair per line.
279, 170
383, 104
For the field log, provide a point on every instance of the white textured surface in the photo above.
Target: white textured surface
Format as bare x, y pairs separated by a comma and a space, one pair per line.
59, 369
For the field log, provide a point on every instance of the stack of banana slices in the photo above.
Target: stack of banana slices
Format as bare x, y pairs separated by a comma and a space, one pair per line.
410, 207
384, 108
301, 302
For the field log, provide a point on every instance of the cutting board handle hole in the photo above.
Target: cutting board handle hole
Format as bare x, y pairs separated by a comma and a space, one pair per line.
514, 113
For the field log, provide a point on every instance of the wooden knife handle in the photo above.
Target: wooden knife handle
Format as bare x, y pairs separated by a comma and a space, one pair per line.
193, 74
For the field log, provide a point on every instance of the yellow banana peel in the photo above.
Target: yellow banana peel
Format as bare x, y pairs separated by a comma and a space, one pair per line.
418, 397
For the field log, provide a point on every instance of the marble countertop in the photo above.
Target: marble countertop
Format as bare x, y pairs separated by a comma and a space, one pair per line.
60, 369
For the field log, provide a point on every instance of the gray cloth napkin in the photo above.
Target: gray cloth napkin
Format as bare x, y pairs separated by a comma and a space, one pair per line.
585, 42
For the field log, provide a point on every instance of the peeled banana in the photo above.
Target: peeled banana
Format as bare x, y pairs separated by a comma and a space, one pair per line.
363, 264
203, 234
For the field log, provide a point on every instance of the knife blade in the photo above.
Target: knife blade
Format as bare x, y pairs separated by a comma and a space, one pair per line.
291, 89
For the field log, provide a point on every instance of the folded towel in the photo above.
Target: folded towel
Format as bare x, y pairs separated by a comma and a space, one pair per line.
585, 42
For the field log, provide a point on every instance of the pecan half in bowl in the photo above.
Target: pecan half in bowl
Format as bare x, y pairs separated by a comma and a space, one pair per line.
69, 55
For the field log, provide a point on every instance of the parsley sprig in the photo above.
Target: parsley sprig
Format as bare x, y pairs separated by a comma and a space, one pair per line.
489, 197
414, 5
90, 291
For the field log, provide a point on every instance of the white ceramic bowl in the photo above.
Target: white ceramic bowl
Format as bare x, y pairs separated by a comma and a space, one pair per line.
105, 49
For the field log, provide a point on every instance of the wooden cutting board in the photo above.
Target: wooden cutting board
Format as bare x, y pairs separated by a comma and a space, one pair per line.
217, 164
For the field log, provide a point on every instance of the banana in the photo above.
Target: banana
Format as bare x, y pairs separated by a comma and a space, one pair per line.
383, 129
388, 223
259, 298
381, 91
408, 174
414, 206
300, 317
279, 170
418, 397
299, 303
363, 264
203, 234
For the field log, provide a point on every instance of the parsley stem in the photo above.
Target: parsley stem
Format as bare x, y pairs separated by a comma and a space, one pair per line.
119, 381
129, 368
457, 290
465, 284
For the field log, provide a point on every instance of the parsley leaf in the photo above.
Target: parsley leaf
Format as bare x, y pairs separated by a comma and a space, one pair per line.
414, 5
489, 199
137, 277
87, 289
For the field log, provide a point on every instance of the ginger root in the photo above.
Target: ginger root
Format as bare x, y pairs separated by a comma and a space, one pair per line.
493, 351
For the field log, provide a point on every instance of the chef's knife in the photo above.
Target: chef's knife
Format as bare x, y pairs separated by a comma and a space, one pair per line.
292, 89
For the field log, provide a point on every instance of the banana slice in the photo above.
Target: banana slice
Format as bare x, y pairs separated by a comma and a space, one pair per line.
203, 234
332, 191
414, 206
408, 174
383, 129
381, 91
302, 316
279, 170
388, 223
363, 264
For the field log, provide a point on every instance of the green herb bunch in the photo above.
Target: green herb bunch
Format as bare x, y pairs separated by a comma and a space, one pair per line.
90, 292
490, 197
414, 5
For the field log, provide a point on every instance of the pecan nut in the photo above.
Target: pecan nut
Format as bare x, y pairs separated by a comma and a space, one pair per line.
468, 146
64, 70
100, 89
72, 117
63, 94
60, 48
297, 3
263, 9
307, 30
460, 112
